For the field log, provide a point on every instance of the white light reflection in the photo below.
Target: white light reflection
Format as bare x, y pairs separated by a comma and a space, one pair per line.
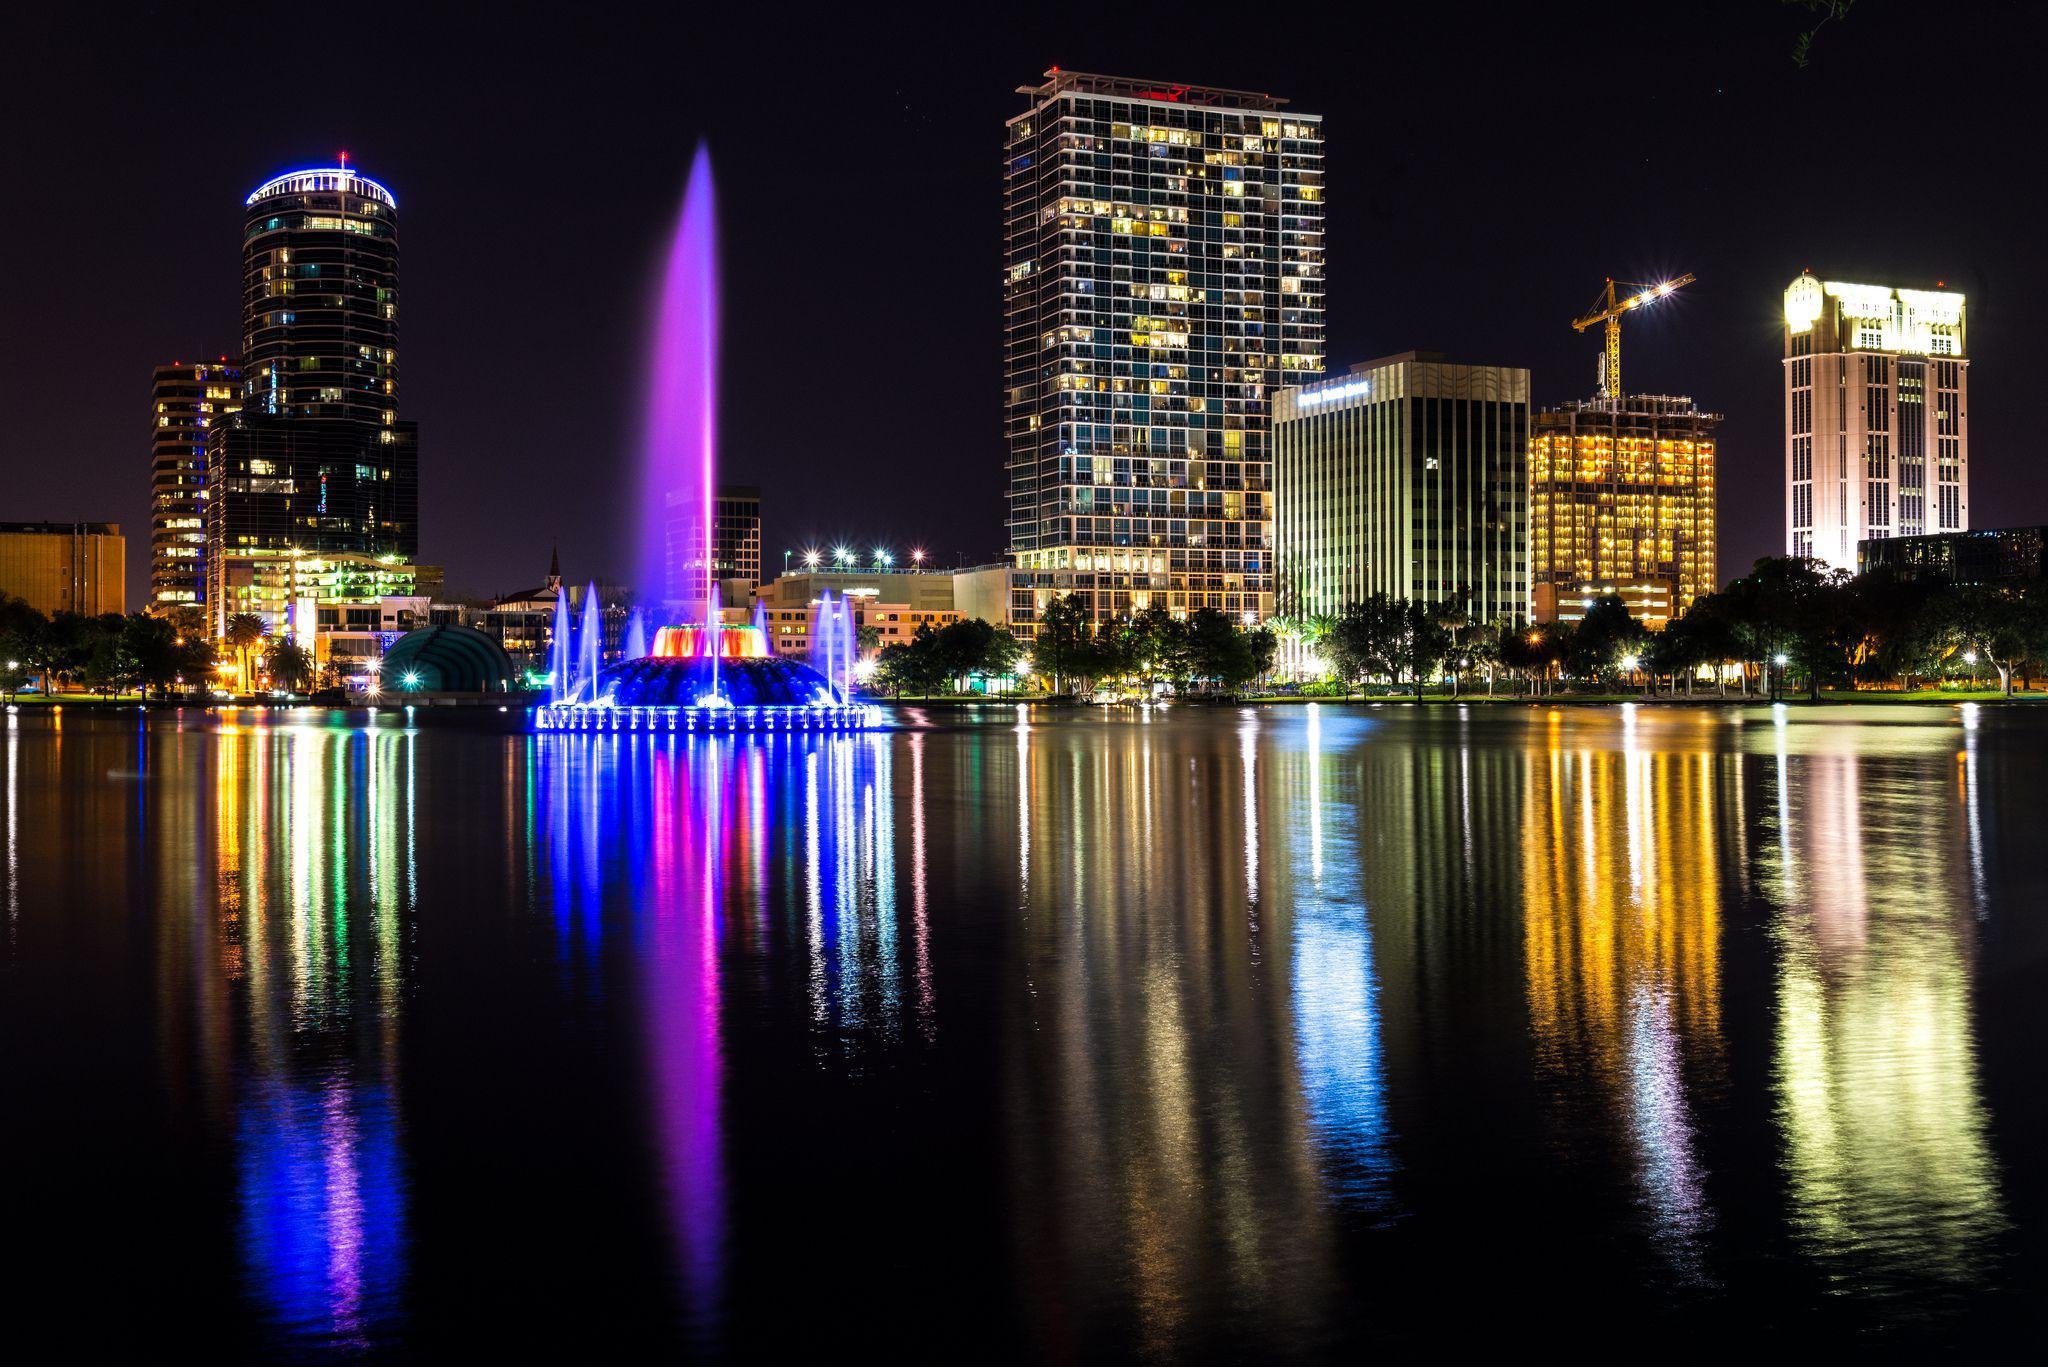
1972, 816
1248, 752
926, 1002
13, 825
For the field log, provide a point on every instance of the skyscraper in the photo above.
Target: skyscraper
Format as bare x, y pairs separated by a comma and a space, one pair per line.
1877, 436
1622, 503
320, 297
1163, 273
315, 482
187, 401
1409, 477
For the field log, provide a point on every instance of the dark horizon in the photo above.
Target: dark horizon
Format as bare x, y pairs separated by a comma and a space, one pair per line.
1487, 170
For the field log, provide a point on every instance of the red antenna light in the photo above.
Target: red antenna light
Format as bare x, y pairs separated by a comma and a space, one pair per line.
343, 154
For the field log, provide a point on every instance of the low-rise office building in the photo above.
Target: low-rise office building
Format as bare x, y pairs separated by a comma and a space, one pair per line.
65, 566
1993, 555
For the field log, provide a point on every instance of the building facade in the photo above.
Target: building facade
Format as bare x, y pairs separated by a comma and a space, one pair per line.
316, 466
283, 490
186, 402
1163, 275
1877, 436
736, 536
320, 297
65, 566
1622, 504
1409, 477
1990, 555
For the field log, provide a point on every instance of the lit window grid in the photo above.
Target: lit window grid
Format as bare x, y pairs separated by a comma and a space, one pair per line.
186, 402
1605, 509
1146, 327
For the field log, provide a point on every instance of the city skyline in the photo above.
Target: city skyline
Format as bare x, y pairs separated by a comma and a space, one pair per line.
1438, 246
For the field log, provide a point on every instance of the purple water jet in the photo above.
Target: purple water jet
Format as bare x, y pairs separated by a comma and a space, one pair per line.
698, 672
681, 437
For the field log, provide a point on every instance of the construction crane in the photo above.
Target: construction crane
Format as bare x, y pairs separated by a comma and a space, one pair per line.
1612, 302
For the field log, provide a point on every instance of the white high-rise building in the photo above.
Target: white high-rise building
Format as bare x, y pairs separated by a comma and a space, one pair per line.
1877, 434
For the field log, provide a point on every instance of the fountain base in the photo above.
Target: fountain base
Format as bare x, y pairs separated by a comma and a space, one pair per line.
743, 689
708, 720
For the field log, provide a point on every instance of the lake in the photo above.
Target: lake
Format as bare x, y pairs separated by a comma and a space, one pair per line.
1211, 1034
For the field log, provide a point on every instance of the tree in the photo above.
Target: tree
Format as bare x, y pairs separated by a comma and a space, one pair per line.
1898, 627
1999, 622
1603, 638
242, 632
1218, 648
1391, 637
154, 651
290, 664
1799, 608
972, 646
1357, 642
1061, 649
21, 628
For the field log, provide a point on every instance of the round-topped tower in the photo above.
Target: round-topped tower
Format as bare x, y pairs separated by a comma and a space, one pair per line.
320, 297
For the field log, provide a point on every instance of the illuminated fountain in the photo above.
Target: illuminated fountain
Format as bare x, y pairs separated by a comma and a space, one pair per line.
702, 673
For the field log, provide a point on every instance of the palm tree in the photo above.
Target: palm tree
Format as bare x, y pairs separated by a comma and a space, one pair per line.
290, 664
244, 630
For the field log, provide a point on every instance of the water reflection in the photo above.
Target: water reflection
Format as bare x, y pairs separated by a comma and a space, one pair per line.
1335, 986
1221, 1033
1892, 1184
314, 841
1623, 951
1164, 1176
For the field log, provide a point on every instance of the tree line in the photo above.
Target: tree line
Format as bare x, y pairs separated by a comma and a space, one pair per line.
1204, 648
1790, 618
110, 654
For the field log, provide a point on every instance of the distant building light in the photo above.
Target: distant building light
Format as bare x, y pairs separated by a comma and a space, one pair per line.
1350, 389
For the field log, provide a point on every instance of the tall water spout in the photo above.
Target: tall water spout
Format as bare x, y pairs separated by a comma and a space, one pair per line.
849, 648
636, 636
761, 619
559, 658
590, 645
821, 636
682, 412
713, 631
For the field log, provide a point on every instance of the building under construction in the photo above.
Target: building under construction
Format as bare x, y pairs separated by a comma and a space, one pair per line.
1622, 504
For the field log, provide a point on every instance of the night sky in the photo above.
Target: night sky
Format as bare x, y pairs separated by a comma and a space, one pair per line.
1487, 169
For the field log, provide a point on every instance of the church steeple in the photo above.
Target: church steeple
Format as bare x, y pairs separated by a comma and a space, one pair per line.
555, 569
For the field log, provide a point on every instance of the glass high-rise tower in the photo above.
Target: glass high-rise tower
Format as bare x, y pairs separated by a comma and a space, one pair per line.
1163, 275
320, 297
313, 487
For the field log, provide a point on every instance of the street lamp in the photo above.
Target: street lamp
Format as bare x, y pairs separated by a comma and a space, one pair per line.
1781, 659
883, 558
842, 555
810, 560
917, 556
